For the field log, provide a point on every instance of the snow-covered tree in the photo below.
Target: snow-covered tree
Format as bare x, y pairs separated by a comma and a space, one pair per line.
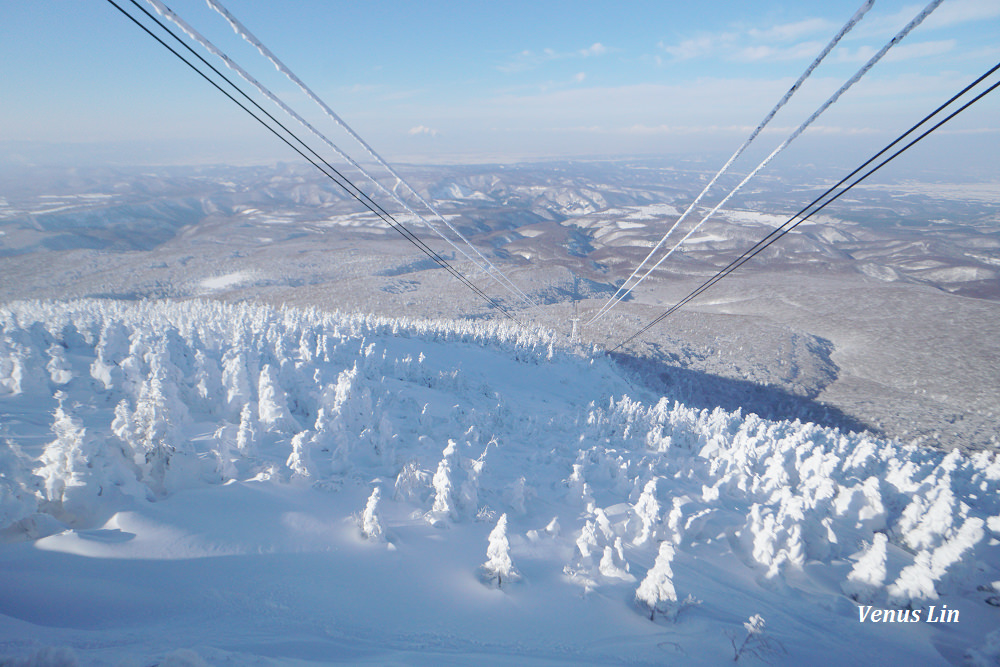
517, 494
299, 461
673, 521
245, 436
647, 510
58, 366
468, 492
125, 429
499, 567
656, 593
986, 655
17, 497
915, 582
444, 503
80, 472
578, 484
412, 484
156, 434
111, 348
12, 365
868, 574
757, 643
272, 403
235, 379
64, 465
371, 521
587, 543
224, 447
207, 381
613, 564
919, 581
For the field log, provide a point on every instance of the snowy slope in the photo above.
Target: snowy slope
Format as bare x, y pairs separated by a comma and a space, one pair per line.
191, 483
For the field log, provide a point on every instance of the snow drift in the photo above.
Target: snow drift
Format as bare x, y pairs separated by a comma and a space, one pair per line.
395, 456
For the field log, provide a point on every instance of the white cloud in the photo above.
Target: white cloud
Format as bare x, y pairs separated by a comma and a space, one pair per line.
640, 129
421, 129
985, 53
884, 26
972, 131
951, 13
529, 59
899, 53
858, 55
525, 60
698, 47
712, 103
774, 54
920, 50
831, 130
906, 88
379, 92
705, 101
360, 88
579, 77
955, 12
792, 31
755, 44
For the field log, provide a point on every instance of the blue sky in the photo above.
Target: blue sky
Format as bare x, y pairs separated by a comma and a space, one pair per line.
436, 81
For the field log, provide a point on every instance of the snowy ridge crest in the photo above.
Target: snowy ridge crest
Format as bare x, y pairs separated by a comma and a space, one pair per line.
611, 487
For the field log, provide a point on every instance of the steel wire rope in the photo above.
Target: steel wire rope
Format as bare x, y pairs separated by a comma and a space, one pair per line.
370, 204
254, 102
777, 233
858, 15
917, 20
373, 206
250, 38
381, 212
781, 231
172, 16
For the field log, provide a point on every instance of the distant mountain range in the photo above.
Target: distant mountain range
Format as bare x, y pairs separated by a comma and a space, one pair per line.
863, 309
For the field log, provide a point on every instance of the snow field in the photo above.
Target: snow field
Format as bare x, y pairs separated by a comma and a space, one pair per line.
242, 481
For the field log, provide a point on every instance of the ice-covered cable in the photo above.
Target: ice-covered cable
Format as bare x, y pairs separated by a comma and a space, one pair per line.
802, 216
489, 268
917, 20
858, 15
172, 16
352, 190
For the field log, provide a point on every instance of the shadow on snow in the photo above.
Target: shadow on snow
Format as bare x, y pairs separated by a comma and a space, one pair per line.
698, 389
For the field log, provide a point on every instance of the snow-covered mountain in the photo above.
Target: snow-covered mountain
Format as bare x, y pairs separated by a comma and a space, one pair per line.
942, 235
883, 308
201, 483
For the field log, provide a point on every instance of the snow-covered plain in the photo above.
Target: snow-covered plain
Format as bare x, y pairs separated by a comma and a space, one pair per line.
197, 483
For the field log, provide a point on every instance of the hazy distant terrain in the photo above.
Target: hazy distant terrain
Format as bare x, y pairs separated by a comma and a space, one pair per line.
205, 463
880, 313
